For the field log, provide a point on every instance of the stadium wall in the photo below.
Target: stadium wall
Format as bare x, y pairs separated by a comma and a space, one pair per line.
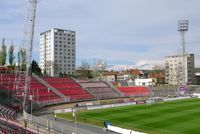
95, 107
178, 98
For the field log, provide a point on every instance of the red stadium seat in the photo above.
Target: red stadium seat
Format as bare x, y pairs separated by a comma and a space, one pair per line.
134, 91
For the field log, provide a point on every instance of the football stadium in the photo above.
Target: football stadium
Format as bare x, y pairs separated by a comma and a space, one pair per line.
67, 105
43, 103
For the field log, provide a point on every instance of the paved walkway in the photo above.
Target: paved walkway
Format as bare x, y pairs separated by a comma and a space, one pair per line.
81, 128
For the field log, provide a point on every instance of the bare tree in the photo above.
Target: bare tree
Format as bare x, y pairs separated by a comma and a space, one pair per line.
158, 67
100, 65
84, 65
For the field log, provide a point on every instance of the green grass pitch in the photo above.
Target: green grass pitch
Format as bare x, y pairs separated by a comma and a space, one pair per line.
174, 117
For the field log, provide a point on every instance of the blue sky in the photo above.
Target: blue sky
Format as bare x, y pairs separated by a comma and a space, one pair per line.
132, 32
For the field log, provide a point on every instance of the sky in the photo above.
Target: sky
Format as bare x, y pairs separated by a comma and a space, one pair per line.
120, 32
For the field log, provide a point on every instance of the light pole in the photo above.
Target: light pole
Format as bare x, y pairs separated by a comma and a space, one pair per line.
150, 95
31, 99
74, 115
182, 28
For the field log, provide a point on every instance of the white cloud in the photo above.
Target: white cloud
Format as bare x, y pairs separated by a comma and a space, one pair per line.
122, 30
141, 64
120, 67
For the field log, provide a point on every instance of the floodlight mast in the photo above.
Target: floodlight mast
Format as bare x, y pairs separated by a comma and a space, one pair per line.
182, 28
29, 34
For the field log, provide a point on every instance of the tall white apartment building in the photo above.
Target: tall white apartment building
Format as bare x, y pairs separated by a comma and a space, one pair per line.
173, 69
58, 52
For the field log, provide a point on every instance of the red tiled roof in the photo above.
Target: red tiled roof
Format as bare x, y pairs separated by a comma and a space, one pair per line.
135, 72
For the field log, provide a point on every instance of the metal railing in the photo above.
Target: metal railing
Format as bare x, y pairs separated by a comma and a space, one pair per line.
45, 126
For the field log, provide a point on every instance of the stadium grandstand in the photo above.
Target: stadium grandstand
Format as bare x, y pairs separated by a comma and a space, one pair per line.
11, 127
53, 91
137, 91
101, 89
46, 91
70, 88
43, 93
9, 124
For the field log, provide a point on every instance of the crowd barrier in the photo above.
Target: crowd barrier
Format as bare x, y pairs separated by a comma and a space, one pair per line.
93, 107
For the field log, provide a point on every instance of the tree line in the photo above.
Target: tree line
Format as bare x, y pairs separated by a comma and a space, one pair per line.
9, 56
3, 54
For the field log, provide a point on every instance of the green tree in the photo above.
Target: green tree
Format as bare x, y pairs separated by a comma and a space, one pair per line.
35, 68
3, 53
11, 54
22, 59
